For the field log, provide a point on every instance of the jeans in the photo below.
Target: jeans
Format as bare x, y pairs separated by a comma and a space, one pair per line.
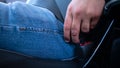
58, 7
33, 31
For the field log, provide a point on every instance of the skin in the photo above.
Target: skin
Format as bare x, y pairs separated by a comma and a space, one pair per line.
81, 16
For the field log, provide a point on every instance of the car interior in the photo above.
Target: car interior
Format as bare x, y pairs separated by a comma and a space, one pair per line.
103, 53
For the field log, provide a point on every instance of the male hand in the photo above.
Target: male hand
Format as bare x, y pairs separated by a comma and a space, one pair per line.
81, 16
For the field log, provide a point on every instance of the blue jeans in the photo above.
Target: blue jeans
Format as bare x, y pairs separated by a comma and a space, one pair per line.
33, 31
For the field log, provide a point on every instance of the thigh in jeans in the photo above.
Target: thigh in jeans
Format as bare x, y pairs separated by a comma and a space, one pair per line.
35, 32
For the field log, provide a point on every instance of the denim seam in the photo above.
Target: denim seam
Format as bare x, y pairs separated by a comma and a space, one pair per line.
30, 29
33, 29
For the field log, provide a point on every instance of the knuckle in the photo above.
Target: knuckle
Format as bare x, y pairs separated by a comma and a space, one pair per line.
75, 35
85, 29
66, 27
73, 28
74, 32
78, 12
90, 13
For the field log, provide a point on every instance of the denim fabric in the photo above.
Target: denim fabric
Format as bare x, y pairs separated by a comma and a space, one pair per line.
33, 31
49, 4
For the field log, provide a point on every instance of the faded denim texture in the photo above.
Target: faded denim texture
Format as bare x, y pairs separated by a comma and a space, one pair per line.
33, 31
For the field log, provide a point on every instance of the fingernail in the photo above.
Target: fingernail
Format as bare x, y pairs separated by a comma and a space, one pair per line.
67, 41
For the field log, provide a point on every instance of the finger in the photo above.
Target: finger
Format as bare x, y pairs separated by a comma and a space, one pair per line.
94, 21
67, 26
85, 27
75, 29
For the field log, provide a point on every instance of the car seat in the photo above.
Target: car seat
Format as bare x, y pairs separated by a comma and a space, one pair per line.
96, 55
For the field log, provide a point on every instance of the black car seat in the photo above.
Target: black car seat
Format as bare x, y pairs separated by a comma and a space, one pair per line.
105, 56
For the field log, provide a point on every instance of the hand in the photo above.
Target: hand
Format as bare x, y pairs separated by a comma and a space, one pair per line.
81, 16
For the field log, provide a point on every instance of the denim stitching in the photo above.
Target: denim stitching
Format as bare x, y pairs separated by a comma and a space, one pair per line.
29, 29
7, 28
32, 29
